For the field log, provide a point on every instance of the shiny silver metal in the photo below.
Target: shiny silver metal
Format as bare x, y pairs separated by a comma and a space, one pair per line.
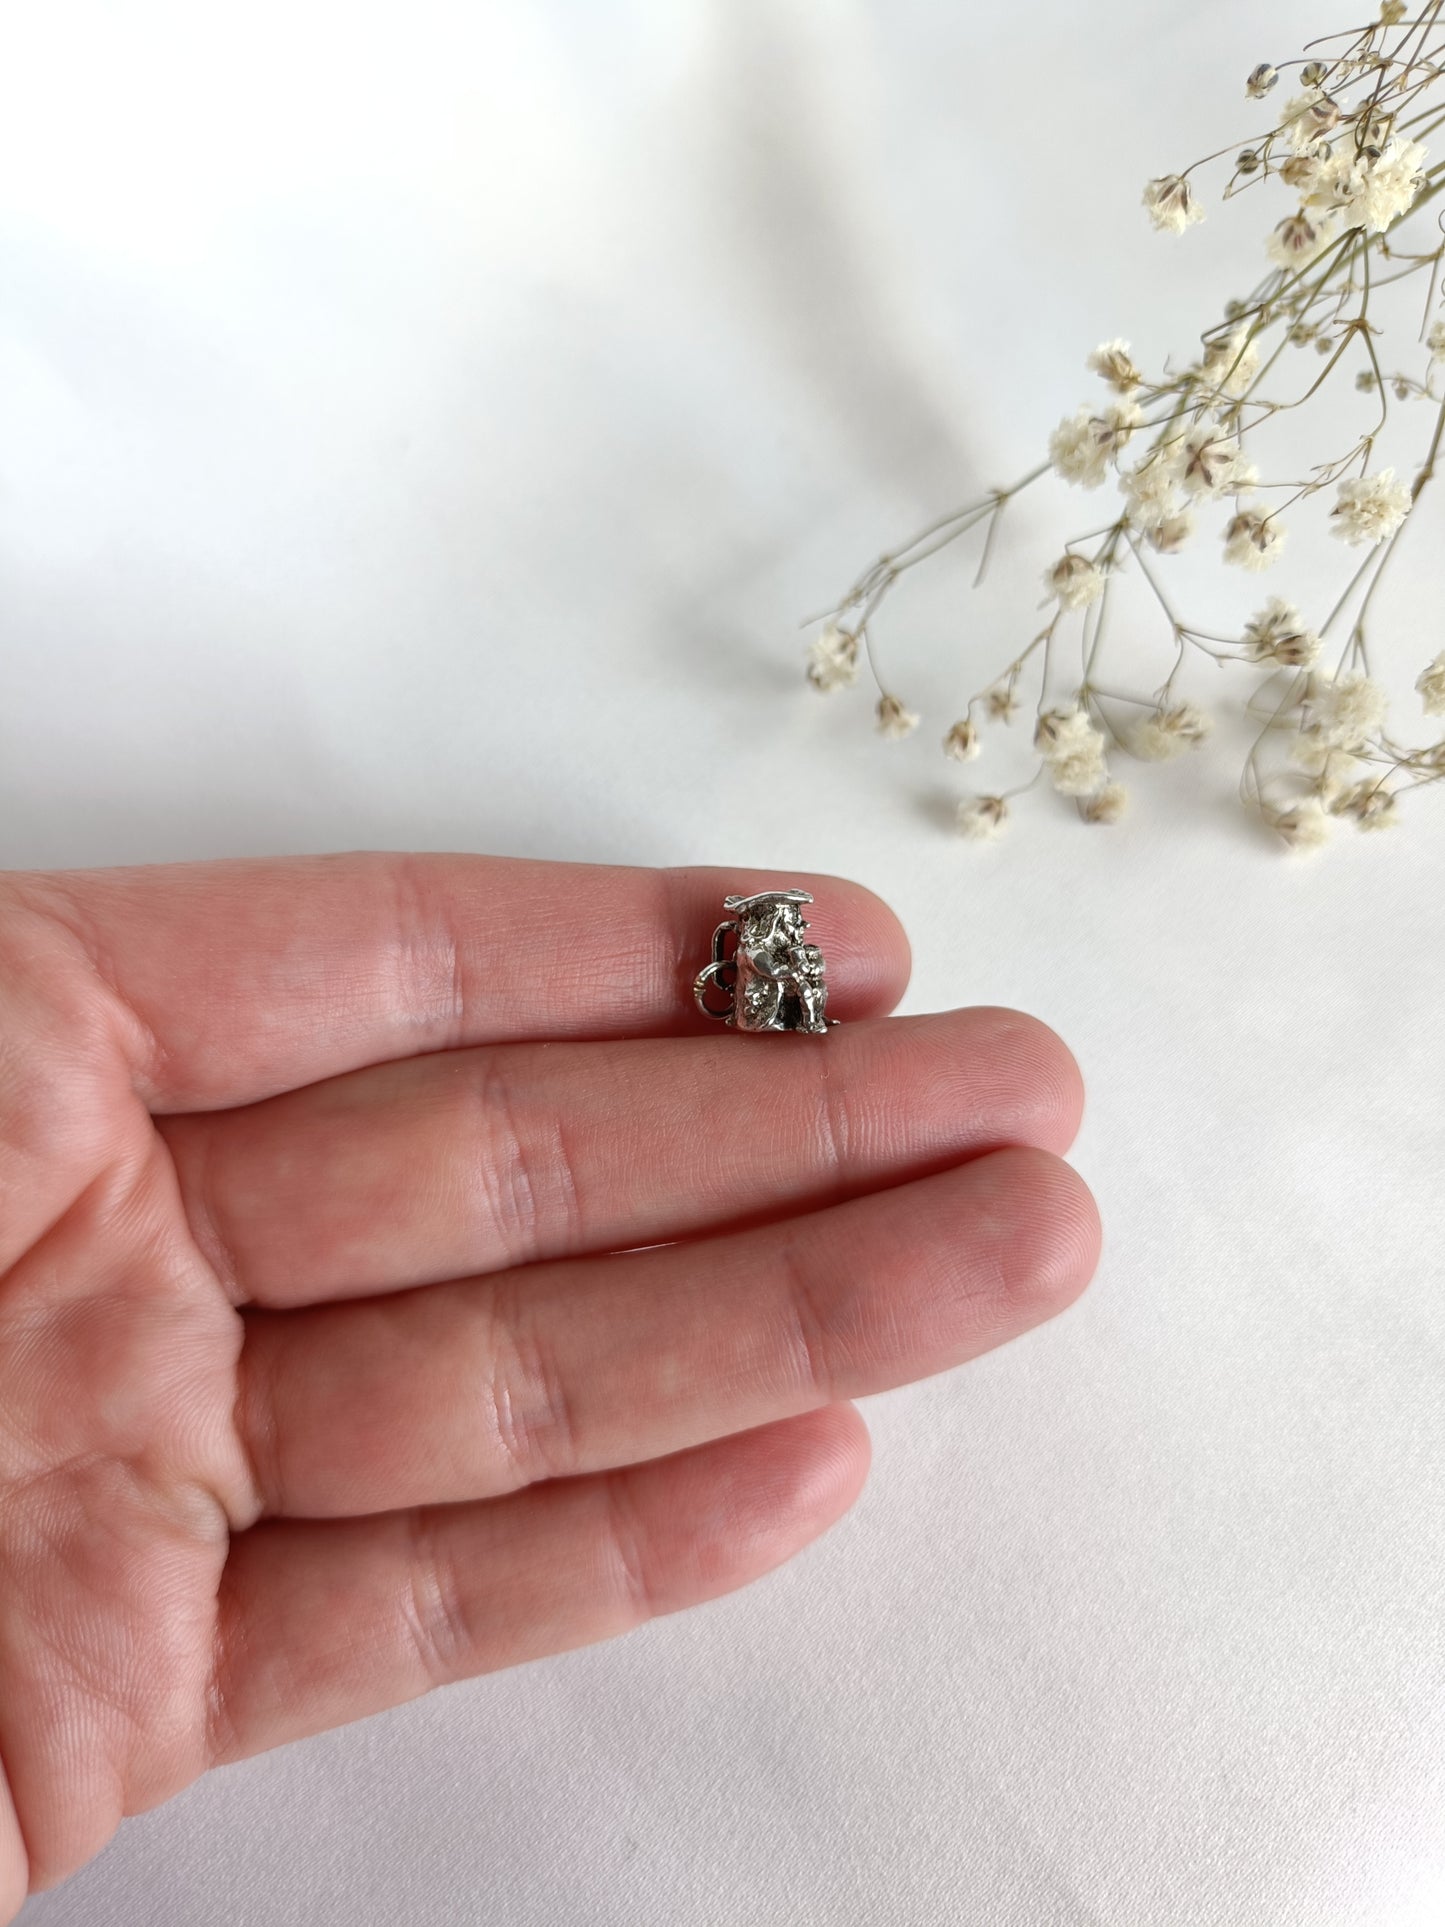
771, 979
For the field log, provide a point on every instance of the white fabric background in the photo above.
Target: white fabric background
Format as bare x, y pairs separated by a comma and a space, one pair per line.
424, 426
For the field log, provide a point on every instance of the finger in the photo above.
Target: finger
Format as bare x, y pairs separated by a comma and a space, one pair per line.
321, 1623
237, 980
470, 1161
467, 1390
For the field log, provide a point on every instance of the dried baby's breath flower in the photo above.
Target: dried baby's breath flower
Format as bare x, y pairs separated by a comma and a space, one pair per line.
1252, 540
1309, 173
1335, 771
1432, 686
1372, 807
1166, 733
1074, 581
1232, 362
1151, 490
1207, 460
1171, 203
833, 659
1112, 361
1303, 826
1278, 634
1076, 453
1079, 773
1172, 533
1059, 731
1073, 751
1106, 805
1308, 117
894, 721
1345, 711
1374, 194
1299, 241
962, 741
1082, 446
1350, 202
1370, 507
981, 817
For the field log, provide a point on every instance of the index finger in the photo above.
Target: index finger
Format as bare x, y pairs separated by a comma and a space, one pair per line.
251, 977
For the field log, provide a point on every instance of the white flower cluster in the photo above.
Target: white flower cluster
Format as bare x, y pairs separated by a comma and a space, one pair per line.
1252, 540
981, 817
1432, 686
962, 743
894, 720
1172, 204
1231, 362
1175, 444
1303, 826
1369, 508
1167, 732
1300, 240
1113, 363
1073, 751
1344, 711
1278, 634
833, 659
1074, 581
1364, 179
1199, 466
1082, 447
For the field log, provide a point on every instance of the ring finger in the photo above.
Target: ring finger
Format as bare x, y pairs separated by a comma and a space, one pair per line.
477, 1388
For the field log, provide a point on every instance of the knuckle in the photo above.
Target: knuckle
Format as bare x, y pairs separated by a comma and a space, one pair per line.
503, 1164
435, 1624
626, 1545
429, 957
833, 1110
806, 1328
532, 1413
528, 1172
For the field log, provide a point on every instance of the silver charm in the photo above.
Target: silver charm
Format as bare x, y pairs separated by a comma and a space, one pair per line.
771, 978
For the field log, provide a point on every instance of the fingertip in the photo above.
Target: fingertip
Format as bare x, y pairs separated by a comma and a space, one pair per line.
869, 957
758, 1498
1046, 1074
835, 1456
1057, 1235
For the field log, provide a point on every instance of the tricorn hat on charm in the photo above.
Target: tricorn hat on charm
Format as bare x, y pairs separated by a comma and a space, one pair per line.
770, 977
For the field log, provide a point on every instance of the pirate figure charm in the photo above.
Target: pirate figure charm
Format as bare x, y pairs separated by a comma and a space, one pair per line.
771, 978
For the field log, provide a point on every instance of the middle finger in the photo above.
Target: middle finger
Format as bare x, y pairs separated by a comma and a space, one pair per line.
472, 1161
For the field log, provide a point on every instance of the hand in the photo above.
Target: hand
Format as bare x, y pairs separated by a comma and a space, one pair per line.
321, 1379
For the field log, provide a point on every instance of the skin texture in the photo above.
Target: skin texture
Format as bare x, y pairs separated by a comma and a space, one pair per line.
332, 1365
